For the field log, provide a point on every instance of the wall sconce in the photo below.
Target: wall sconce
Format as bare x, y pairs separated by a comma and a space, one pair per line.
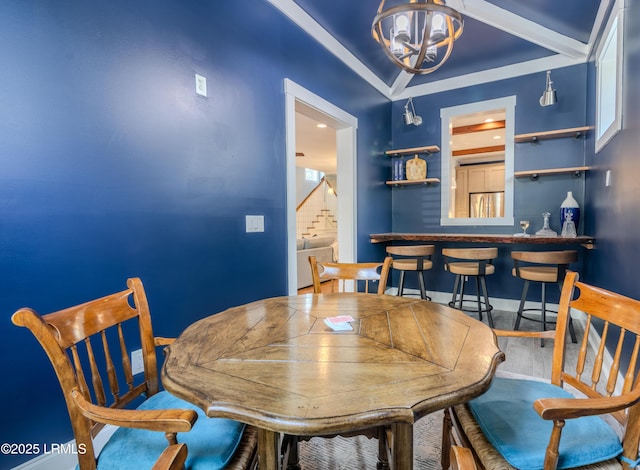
549, 96
410, 116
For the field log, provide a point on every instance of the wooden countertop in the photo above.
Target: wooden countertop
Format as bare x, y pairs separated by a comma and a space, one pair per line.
585, 241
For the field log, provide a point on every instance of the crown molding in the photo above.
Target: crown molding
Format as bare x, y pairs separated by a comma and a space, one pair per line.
486, 76
518, 26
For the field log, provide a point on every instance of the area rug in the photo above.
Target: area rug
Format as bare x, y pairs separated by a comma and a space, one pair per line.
360, 453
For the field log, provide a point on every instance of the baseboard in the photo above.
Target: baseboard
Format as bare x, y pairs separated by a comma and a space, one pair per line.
507, 305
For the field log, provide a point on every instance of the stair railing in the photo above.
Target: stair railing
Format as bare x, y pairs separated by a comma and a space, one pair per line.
318, 210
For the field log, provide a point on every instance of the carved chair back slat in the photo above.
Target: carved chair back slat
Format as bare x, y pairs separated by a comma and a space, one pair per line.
111, 370
126, 363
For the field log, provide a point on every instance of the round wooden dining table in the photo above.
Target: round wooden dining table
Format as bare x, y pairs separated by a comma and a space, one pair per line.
276, 365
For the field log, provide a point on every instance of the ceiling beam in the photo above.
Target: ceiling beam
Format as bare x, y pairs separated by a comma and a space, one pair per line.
484, 126
401, 82
300, 17
474, 151
511, 23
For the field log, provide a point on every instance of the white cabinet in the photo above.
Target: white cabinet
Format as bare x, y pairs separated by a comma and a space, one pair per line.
487, 178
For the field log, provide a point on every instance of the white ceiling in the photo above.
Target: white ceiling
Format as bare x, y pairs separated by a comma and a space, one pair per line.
317, 144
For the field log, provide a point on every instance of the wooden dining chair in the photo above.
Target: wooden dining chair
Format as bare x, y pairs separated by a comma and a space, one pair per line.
339, 273
88, 346
588, 416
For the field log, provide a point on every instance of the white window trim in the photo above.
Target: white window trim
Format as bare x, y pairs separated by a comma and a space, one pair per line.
509, 104
613, 31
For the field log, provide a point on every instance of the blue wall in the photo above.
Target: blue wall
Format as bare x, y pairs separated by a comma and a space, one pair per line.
113, 167
613, 212
417, 208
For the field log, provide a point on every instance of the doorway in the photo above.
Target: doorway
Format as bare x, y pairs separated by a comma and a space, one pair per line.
298, 99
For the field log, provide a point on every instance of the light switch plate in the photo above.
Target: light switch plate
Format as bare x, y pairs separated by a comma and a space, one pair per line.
607, 178
137, 365
254, 223
201, 85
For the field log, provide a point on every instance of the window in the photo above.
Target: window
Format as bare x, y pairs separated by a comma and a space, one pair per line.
609, 79
483, 166
311, 175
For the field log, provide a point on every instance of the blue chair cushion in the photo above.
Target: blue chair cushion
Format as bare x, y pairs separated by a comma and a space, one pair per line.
506, 416
211, 442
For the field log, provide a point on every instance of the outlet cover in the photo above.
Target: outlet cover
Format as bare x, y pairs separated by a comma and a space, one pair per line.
137, 366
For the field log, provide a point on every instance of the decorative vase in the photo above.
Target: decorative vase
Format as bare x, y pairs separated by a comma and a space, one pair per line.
570, 211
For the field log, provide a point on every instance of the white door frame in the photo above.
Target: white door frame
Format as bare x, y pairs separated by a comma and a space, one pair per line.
347, 190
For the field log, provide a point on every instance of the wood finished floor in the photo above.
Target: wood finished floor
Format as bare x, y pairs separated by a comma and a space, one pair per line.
524, 355
326, 289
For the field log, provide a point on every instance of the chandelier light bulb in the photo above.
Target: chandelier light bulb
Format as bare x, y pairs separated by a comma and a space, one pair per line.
432, 54
397, 48
438, 32
402, 33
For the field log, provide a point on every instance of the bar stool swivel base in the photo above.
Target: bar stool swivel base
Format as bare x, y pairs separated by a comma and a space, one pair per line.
466, 263
543, 267
543, 310
480, 303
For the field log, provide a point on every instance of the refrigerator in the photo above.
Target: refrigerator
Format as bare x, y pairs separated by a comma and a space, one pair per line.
484, 205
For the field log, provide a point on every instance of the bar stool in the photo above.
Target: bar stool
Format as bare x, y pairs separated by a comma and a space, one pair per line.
419, 262
543, 267
477, 263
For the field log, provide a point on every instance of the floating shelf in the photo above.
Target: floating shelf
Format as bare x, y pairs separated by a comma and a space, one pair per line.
533, 174
557, 134
411, 151
407, 182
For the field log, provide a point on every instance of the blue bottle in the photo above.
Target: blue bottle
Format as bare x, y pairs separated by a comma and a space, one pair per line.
570, 206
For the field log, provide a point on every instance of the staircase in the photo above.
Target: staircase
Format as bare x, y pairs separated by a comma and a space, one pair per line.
317, 213
323, 222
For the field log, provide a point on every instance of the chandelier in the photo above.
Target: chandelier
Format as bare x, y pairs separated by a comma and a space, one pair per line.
417, 36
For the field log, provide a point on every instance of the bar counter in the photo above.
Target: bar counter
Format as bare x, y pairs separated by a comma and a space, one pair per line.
585, 241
